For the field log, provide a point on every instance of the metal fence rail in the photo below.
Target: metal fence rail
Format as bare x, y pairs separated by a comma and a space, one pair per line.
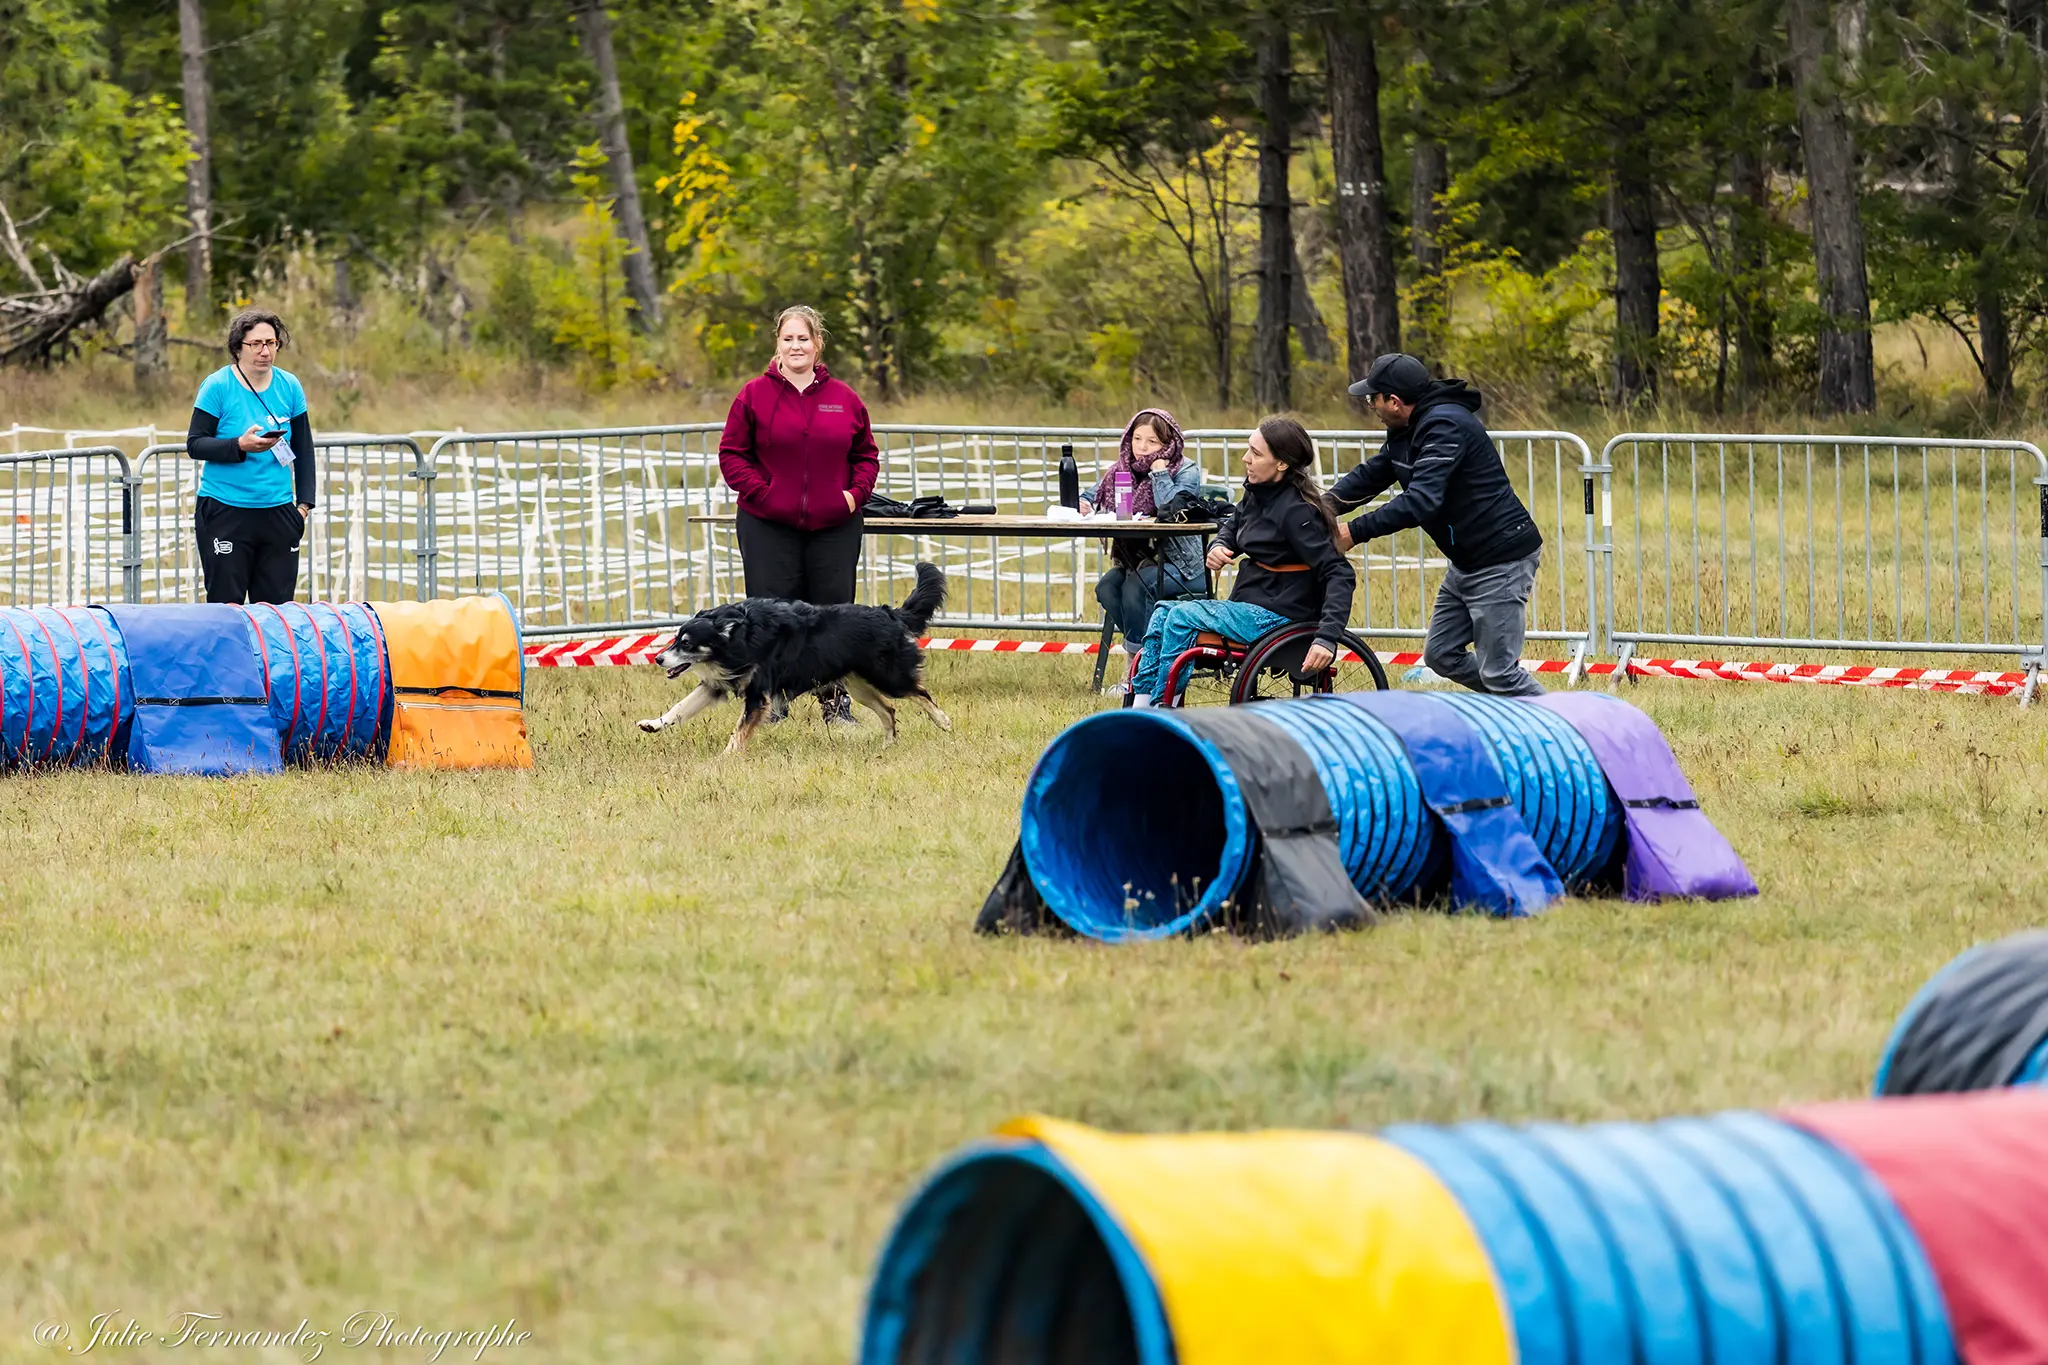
371, 535
1872, 543
68, 535
582, 530
1398, 578
589, 530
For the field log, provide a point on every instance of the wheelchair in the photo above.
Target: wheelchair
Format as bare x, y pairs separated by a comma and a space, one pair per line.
1217, 672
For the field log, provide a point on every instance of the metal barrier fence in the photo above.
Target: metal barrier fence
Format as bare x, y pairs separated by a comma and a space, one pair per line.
605, 530
1045, 584
371, 535
1874, 544
35, 439
1871, 543
69, 535
582, 530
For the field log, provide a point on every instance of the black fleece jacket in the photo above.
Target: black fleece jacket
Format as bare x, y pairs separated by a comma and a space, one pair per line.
1275, 527
203, 441
1453, 484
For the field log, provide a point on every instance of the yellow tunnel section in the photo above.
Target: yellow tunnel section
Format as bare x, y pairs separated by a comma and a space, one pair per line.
457, 684
1058, 1242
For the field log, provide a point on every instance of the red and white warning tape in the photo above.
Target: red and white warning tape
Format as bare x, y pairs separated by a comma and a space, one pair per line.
1991, 684
626, 649
640, 649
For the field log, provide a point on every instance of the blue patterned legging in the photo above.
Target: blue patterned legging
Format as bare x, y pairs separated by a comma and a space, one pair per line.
1176, 624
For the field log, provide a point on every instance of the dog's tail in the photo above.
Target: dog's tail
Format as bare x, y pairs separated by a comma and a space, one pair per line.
924, 601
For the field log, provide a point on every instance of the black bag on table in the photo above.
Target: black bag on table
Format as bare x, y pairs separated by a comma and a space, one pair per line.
930, 506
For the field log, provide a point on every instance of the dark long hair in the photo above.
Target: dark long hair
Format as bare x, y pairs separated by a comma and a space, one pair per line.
1295, 449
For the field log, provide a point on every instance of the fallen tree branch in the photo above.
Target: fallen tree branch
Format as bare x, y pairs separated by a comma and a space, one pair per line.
36, 337
36, 326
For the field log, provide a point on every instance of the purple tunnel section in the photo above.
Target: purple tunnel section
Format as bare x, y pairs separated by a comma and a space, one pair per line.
1673, 849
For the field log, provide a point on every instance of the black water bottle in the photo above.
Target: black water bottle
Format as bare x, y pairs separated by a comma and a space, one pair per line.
1070, 479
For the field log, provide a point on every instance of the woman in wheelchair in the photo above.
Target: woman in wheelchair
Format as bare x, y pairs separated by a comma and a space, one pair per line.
1293, 570
1145, 571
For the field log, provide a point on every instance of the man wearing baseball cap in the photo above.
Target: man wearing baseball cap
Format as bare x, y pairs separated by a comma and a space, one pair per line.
1453, 486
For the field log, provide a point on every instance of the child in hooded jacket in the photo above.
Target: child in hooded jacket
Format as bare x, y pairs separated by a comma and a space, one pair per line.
1146, 571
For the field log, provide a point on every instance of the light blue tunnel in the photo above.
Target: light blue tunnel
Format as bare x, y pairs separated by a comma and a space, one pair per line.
1737, 1239
1715, 1241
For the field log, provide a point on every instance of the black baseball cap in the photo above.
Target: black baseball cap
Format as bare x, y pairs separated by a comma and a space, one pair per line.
1402, 376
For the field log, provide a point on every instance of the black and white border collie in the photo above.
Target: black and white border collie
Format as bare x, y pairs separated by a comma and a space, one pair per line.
767, 651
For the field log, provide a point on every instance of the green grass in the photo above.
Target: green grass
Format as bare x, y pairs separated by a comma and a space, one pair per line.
645, 1046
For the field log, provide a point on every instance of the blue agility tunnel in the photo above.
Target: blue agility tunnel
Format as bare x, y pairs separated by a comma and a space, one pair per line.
327, 677
1554, 779
66, 697
1142, 824
1823, 1236
216, 689
1979, 1023
200, 706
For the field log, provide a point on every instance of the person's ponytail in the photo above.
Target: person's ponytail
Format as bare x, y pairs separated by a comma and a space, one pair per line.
1295, 449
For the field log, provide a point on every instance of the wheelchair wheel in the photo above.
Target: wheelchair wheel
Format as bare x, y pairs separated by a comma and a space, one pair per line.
1272, 667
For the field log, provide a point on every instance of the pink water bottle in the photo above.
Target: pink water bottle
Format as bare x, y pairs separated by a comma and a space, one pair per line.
1123, 495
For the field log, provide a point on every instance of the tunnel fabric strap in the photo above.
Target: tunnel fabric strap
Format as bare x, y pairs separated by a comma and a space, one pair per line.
1495, 865
200, 706
1981, 1022
1673, 848
1298, 881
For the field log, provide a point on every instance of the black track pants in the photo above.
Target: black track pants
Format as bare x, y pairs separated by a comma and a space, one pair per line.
802, 566
249, 554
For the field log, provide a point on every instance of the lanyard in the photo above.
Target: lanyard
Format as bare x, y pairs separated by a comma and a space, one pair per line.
257, 394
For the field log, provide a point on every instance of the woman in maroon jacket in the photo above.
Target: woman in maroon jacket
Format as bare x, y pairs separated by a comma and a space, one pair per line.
798, 451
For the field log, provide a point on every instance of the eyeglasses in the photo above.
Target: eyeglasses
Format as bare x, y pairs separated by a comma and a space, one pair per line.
261, 345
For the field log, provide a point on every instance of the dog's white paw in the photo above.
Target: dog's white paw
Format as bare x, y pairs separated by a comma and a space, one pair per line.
944, 723
650, 726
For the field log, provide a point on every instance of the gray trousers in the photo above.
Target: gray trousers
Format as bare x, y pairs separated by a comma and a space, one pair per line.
1487, 610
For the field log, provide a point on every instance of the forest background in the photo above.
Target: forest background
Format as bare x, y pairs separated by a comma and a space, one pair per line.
1740, 212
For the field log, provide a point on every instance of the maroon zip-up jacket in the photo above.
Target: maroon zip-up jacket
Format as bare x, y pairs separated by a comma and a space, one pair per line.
791, 455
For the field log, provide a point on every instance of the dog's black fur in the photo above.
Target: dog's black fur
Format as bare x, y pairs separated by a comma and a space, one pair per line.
766, 651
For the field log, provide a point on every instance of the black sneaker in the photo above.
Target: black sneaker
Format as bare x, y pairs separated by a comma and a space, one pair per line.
836, 706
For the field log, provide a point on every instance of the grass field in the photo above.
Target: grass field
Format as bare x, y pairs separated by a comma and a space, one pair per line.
644, 1047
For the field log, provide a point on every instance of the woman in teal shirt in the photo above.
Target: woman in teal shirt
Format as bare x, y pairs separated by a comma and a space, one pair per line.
250, 428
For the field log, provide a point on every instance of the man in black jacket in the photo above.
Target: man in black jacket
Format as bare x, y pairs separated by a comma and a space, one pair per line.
1453, 486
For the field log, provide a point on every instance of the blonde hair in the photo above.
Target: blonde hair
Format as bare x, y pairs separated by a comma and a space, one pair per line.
811, 320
